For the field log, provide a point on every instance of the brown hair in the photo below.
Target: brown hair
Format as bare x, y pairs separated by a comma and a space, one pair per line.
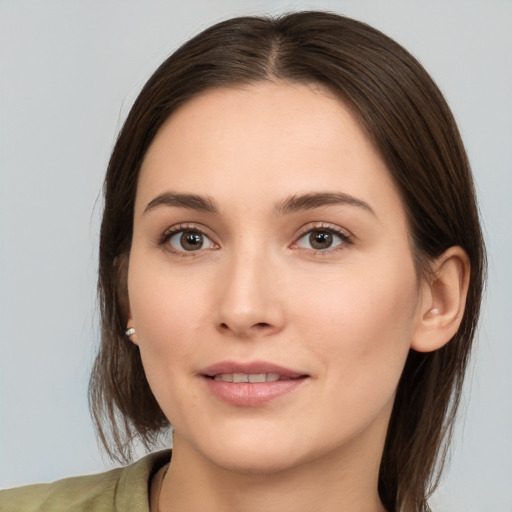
405, 115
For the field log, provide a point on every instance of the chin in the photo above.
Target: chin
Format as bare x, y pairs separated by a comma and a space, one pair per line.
253, 454
256, 461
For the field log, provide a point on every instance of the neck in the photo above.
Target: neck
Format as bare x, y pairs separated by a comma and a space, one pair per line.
336, 481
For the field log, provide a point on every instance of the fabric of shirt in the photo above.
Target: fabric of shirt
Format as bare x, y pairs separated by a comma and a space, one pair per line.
119, 490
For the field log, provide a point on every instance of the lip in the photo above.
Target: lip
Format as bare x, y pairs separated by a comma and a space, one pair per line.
249, 394
252, 367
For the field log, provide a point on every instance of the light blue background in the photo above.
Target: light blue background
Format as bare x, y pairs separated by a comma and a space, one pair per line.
69, 71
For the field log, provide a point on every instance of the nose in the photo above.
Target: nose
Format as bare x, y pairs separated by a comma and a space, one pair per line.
250, 305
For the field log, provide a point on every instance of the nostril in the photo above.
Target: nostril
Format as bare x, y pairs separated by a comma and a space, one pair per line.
260, 326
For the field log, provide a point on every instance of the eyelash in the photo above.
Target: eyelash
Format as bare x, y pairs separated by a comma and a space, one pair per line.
345, 238
173, 230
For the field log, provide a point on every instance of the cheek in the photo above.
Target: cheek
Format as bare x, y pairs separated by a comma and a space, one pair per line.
168, 322
168, 314
165, 305
362, 324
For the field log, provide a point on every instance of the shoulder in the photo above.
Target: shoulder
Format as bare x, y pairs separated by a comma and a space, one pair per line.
119, 490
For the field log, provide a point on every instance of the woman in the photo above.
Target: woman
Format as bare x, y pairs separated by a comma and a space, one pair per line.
291, 267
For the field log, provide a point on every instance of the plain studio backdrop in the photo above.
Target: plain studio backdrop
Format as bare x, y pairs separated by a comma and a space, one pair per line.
69, 72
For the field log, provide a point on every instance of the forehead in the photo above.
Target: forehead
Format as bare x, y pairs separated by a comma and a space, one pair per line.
259, 143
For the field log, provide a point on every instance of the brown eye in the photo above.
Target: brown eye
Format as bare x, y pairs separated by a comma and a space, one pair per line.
189, 240
320, 239
323, 239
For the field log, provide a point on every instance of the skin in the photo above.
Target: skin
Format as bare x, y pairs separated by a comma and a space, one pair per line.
346, 315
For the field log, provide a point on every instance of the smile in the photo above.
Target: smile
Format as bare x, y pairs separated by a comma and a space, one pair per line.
251, 377
251, 384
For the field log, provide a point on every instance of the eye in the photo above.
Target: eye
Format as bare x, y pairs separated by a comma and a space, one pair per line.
321, 239
188, 240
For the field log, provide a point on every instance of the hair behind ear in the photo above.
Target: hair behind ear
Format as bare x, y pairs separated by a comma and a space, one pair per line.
120, 399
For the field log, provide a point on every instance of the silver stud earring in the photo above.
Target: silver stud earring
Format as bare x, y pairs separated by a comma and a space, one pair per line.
129, 331
434, 312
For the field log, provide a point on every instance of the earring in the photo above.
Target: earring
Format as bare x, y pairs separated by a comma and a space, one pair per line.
434, 312
129, 331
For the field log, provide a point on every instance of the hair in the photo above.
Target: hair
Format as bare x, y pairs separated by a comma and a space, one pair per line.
407, 119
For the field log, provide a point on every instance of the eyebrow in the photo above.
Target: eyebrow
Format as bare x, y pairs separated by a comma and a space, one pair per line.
310, 201
292, 204
189, 201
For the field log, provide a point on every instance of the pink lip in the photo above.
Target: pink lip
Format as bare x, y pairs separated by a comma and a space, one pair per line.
253, 367
248, 394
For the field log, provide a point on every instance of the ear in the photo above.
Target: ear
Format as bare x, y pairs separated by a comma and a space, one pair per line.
121, 268
443, 301
130, 330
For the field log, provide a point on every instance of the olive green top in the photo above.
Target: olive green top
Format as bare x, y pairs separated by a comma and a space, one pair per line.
119, 490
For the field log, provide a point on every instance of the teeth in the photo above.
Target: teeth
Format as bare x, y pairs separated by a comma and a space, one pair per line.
252, 377
257, 377
226, 377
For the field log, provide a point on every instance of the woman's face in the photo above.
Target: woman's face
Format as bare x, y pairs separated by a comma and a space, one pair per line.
270, 244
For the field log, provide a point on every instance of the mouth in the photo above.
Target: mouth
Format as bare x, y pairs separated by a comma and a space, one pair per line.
256, 371
252, 377
253, 384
